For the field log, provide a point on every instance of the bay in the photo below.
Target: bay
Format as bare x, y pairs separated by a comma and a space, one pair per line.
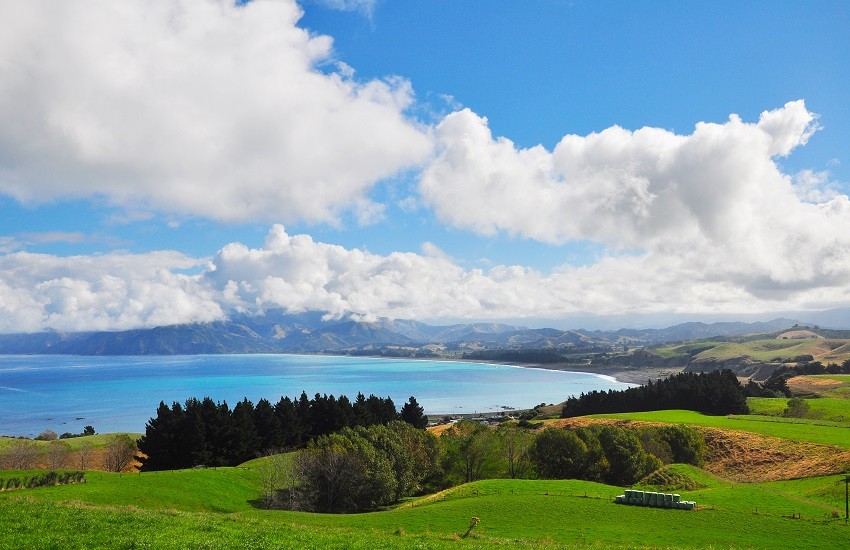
65, 393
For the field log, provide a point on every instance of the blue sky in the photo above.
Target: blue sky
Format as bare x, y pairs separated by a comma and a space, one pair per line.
176, 161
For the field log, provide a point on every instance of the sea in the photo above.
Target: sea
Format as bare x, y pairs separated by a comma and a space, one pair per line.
64, 393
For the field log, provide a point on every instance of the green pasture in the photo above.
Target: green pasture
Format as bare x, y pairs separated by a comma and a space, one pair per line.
212, 509
827, 350
685, 349
825, 408
203, 490
97, 440
797, 429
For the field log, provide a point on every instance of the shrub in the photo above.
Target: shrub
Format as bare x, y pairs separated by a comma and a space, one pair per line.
797, 408
558, 454
47, 435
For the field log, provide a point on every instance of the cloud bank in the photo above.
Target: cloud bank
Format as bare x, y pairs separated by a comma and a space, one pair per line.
120, 291
196, 107
106, 292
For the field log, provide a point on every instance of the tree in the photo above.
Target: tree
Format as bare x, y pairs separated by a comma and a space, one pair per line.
268, 426
469, 451
57, 454
159, 442
343, 472
686, 443
20, 455
596, 465
515, 443
119, 453
558, 454
84, 454
424, 452
325, 477
413, 414
627, 460
47, 435
273, 478
244, 442
88, 430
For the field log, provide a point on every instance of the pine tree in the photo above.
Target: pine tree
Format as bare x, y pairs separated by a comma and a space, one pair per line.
413, 414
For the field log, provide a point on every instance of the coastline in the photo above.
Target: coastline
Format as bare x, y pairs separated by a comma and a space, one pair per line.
628, 375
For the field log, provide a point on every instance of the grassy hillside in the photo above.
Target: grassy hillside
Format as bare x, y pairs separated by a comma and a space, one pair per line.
797, 429
824, 385
826, 350
210, 509
204, 490
833, 409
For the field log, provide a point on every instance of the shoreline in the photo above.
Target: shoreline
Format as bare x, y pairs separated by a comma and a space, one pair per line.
618, 373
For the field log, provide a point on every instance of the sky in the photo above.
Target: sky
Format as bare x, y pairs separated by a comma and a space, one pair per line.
546, 162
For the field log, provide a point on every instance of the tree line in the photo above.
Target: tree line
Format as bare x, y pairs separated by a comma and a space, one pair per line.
716, 393
204, 432
116, 454
776, 384
361, 469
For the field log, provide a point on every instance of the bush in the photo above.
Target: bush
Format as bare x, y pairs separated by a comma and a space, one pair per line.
358, 470
627, 460
47, 435
797, 408
558, 454
687, 444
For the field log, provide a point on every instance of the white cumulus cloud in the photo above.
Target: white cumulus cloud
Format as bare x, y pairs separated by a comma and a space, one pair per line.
294, 272
715, 197
195, 107
104, 292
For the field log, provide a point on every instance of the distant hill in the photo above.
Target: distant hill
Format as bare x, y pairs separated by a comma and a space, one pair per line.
692, 331
276, 331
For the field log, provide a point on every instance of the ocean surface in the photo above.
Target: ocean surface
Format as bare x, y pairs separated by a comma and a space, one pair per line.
65, 393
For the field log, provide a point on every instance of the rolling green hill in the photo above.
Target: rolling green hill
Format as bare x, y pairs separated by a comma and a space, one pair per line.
796, 429
211, 509
765, 349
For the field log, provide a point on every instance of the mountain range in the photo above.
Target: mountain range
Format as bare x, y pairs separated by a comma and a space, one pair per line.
276, 331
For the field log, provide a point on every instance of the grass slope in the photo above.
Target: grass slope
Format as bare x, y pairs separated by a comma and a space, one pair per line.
822, 349
797, 429
127, 511
824, 385
831, 409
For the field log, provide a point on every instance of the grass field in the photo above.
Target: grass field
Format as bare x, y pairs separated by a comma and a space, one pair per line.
218, 507
822, 349
832, 409
797, 429
211, 509
824, 385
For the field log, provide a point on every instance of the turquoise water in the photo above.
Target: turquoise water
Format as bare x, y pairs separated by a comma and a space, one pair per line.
65, 393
